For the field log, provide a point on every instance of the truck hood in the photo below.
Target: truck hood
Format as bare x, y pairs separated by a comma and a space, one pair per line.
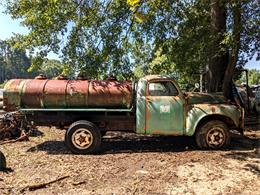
206, 98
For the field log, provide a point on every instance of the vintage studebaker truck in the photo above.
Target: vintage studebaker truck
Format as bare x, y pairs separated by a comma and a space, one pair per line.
88, 108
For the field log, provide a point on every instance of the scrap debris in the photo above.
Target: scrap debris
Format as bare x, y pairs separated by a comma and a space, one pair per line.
23, 137
43, 185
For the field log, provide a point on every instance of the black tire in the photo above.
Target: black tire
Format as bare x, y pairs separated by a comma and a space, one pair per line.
2, 162
213, 135
76, 135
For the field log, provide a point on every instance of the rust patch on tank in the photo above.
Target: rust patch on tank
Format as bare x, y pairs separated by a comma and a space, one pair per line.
43, 93
110, 94
213, 109
77, 93
11, 96
32, 93
54, 94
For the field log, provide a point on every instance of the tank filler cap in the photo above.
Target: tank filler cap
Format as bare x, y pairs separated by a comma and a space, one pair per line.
61, 77
111, 78
40, 77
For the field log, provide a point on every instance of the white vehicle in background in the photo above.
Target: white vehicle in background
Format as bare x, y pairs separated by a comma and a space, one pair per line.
1, 92
257, 100
1, 98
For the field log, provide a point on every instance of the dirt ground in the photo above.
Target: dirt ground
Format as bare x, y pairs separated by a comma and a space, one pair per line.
131, 164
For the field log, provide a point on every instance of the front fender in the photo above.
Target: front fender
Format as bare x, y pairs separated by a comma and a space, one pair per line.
197, 112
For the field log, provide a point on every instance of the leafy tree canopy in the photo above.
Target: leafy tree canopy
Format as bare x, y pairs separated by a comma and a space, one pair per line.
253, 77
135, 37
14, 63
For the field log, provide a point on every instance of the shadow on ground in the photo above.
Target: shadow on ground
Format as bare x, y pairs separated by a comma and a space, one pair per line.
35, 133
252, 157
132, 143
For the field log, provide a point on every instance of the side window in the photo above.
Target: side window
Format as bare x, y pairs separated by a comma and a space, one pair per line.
164, 88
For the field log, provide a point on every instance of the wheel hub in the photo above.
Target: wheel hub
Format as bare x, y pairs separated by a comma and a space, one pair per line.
82, 138
215, 137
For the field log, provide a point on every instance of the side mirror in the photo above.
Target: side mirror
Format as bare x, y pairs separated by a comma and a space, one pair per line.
197, 86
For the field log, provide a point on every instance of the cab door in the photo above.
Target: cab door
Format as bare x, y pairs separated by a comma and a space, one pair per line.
164, 109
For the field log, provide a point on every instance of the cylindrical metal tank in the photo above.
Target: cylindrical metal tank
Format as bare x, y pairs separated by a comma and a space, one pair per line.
45, 93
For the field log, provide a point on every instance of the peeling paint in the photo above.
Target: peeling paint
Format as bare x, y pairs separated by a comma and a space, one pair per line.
180, 115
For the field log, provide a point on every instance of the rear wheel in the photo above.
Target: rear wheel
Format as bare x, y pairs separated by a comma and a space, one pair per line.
2, 162
83, 137
213, 135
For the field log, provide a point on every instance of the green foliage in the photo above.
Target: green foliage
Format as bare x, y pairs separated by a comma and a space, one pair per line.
253, 77
14, 63
54, 68
2, 85
130, 38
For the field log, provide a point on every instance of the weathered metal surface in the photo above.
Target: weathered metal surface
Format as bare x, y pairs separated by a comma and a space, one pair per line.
42, 93
205, 98
141, 106
32, 93
11, 96
76, 109
110, 94
158, 114
164, 115
164, 111
77, 93
177, 115
196, 112
54, 94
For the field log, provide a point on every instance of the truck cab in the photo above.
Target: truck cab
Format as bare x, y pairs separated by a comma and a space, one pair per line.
163, 109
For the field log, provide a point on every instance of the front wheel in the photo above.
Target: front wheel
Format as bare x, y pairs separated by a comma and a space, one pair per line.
83, 137
213, 135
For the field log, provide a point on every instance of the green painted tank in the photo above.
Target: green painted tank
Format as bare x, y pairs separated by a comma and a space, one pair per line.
46, 93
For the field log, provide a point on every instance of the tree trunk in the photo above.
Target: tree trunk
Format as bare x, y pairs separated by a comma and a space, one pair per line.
219, 55
235, 48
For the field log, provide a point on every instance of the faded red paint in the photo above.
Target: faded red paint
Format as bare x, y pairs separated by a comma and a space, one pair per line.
213, 109
110, 93
77, 93
32, 93
157, 132
54, 93
42, 93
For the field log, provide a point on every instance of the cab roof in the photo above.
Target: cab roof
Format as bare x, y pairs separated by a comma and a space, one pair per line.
151, 77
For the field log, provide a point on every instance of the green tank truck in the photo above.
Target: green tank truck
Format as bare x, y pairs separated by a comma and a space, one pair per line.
88, 108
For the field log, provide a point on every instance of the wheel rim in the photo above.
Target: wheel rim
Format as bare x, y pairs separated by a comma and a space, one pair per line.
82, 138
216, 137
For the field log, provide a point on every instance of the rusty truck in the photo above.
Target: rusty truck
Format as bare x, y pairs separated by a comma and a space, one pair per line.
87, 109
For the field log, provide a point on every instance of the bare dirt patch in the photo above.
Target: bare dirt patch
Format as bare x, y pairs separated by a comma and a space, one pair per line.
131, 164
